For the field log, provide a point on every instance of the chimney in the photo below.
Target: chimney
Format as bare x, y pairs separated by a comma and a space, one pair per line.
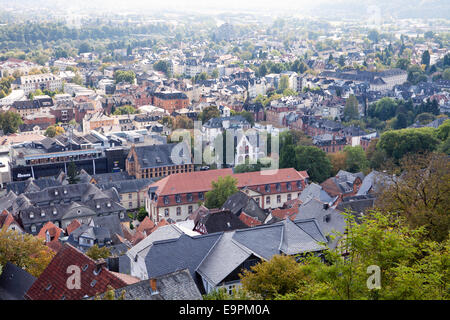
99, 264
153, 287
326, 206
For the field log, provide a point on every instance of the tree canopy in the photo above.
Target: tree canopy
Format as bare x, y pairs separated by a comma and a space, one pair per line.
221, 190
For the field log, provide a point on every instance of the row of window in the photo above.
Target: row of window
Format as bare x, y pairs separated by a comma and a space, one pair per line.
289, 197
189, 197
178, 211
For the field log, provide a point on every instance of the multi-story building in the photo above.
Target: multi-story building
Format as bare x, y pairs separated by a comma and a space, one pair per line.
178, 195
157, 161
31, 83
170, 100
330, 143
8, 67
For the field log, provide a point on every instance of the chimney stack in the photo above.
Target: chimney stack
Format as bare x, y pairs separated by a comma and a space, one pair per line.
153, 286
99, 264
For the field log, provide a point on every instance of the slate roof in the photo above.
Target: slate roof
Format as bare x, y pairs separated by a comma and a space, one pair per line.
358, 204
215, 255
163, 155
373, 182
127, 186
14, 282
329, 220
314, 191
229, 252
177, 285
30, 185
51, 285
240, 202
162, 233
221, 221
239, 121
111, 223
103, 178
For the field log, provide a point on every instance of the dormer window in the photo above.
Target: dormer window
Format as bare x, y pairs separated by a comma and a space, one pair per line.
56, 192
54, 211
97, 206
65, 191
108, 204
31, 215
178, 198
42, 213
85, 267
267, 188
299, 184
166, 200
278, 187
33, 228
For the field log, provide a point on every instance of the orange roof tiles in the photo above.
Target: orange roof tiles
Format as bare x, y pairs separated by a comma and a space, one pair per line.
199, 181
146, 225
71, 227
126, 278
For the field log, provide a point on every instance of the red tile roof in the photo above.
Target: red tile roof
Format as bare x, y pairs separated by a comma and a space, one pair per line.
52, 283
137, 237
249, 221
71, 227
126, 278
53, 230
146, 226
200, 181
6, 219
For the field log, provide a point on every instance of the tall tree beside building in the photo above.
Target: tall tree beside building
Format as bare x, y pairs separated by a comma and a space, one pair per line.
72, 173
351, 111
10, 122
426, 58
221, 190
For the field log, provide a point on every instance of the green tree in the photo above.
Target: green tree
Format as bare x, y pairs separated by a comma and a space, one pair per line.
127, 109
77, 79
53, 131
398, 143
403, 63
95, 252
411, 268
384, 109
278, 276
10, 122
72, 173
351, 111
446, 74
221, 190
355, 159
142, 213
124, 76
426, 58
418, 189
283, 84
314, 161
401, 121
25, 251
209, 113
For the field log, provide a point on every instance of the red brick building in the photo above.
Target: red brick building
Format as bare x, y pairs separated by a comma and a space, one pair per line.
170, 101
